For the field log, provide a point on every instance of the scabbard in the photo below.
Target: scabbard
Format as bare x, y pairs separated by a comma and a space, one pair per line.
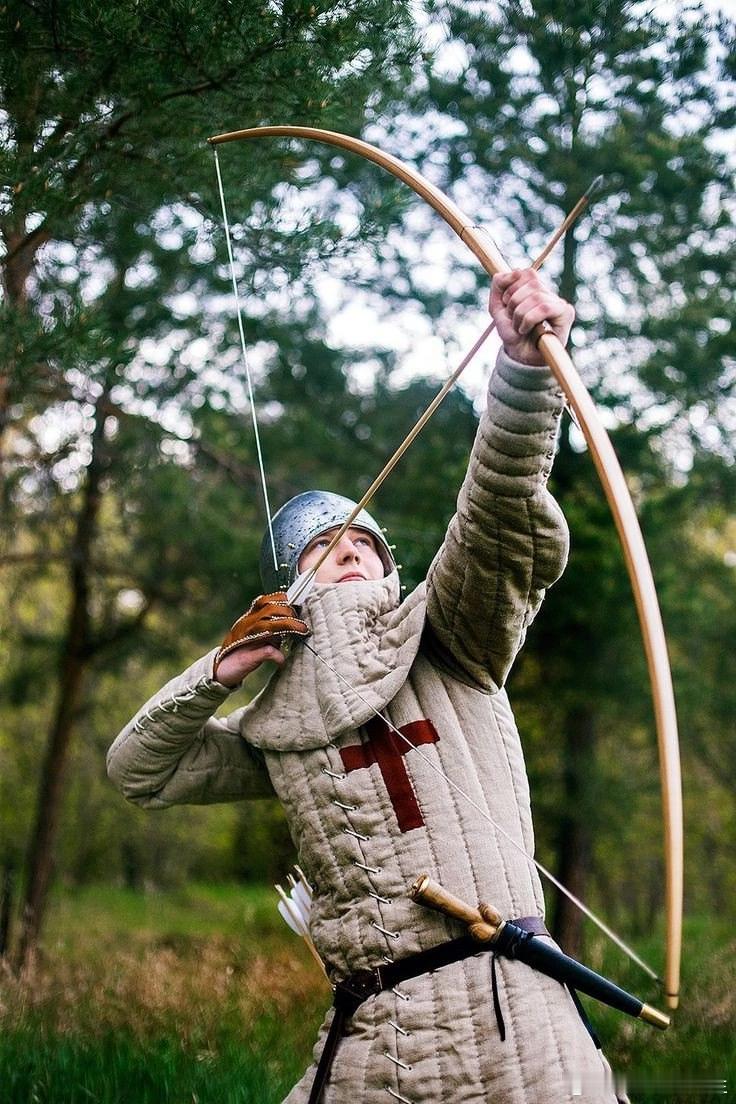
514, 942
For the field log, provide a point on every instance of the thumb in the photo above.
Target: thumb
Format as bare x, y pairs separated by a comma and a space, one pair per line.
274, 654
266, 652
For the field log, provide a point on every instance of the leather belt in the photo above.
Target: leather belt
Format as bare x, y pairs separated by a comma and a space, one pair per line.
350, 993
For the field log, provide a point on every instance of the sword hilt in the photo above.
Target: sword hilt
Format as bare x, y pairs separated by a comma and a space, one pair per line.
484, 926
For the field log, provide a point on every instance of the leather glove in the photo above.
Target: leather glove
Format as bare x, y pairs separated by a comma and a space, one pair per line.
268, 616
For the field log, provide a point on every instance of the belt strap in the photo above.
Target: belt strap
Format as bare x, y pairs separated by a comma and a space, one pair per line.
350, 993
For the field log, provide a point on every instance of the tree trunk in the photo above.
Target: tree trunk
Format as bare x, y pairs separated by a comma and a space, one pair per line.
575, 834
574, 838
75, 657
6, 906
21, 99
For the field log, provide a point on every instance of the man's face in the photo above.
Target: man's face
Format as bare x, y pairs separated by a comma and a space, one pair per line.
354, 558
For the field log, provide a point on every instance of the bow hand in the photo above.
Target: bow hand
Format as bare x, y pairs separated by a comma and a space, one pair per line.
520, 302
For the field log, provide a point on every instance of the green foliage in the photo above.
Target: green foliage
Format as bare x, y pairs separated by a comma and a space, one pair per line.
178, 996
130, 485
35, 1067
544, 98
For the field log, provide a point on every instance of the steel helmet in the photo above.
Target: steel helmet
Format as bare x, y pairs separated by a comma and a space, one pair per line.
302, 519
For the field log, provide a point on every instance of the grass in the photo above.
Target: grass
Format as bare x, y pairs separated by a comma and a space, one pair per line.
700, 1046
42, 1070
203, 997
177, 998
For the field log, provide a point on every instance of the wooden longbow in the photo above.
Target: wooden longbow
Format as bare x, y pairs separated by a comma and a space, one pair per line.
617, 495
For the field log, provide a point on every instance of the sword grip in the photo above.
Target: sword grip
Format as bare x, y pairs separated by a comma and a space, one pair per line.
483, 928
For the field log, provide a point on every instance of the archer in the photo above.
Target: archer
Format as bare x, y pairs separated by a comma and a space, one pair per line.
359, 732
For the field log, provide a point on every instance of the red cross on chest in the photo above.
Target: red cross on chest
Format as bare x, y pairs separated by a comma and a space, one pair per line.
384, 748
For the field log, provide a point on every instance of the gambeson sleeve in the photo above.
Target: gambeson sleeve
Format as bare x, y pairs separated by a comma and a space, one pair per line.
508, 540
175, 751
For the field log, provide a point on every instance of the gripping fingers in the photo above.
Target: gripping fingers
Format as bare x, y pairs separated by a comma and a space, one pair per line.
269, 618
522, 301
530, 314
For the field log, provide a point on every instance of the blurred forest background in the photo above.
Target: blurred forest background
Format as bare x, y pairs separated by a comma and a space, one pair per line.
131, 513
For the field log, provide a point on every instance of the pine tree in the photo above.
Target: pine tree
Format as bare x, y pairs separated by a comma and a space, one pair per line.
105, 287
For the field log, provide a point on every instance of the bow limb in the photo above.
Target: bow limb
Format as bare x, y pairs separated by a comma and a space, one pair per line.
479, 242
650, 620
617, 494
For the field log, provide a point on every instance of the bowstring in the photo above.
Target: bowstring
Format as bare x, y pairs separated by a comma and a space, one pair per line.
621, 943
246, 365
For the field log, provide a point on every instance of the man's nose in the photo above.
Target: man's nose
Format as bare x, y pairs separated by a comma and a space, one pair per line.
347, 549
